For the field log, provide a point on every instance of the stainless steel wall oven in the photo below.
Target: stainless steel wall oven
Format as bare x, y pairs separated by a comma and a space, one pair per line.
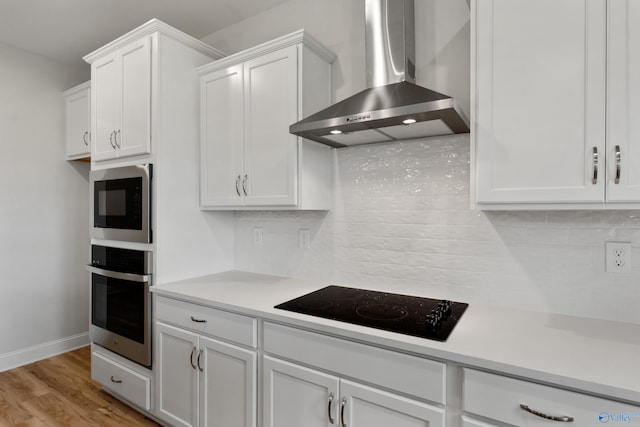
121, 302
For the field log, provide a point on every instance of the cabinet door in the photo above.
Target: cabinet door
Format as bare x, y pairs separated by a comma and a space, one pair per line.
134, 132
228, 385
270, 151
104, 100
623, 103
470, 422
177, 390
540, 97
294, 396
78, 125
221, 146
366, 407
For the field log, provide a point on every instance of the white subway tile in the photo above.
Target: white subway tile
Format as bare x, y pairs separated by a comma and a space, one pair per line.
401, 220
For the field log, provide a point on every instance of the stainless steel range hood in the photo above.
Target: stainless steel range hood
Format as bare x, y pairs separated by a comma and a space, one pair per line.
393, 107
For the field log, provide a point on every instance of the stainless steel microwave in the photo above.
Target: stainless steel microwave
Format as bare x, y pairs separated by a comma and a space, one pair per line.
120, 200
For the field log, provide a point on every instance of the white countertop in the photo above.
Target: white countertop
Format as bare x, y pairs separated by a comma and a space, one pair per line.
595, 356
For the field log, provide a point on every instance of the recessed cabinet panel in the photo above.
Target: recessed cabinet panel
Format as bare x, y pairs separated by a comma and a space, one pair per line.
296, 396
623, 101
121, 102
221, 153
134, 135
229, 387
78, 121
270, 107
540, 97
104, 97
177, 383
366, 406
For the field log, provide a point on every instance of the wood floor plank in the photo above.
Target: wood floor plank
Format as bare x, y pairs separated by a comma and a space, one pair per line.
60, 392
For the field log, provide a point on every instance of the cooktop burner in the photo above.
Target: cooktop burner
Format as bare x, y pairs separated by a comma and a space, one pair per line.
421, 317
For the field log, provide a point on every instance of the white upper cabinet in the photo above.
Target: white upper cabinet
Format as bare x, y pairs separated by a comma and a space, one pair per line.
249, 160
623, 101
78, 124
122, 102
136, 83
553, 93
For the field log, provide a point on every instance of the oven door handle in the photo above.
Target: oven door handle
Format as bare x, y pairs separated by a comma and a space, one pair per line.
118, 275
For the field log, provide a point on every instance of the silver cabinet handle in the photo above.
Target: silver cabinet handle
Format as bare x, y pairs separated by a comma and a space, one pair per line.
331, 421
116, 136
342, 405
595, 166
244, 186
85, 138
618, 164
111, 139
238, 182
193, 319
198, 362
563, 419
142, 278
115, 380
193, 365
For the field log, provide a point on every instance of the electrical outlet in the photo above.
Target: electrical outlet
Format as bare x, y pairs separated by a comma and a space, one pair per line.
304, 239
257, 236
617, 257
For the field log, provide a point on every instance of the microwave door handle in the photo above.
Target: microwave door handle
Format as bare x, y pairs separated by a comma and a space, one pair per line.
118, 275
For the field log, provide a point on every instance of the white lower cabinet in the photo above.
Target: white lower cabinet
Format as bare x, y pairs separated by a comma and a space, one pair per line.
294, 395
125, 379
346, 383
522, 403
470, 422
202, 381
298, 396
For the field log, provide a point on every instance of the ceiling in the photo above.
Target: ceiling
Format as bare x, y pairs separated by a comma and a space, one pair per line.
67, 30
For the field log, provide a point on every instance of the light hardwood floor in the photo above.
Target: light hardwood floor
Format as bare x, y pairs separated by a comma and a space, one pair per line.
59, 392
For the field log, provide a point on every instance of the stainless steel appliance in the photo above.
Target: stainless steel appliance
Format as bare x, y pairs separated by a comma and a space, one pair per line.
120, 301
393, 107
410, 315
120, 200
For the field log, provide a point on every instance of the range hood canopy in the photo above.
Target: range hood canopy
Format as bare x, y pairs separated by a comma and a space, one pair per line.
393, 107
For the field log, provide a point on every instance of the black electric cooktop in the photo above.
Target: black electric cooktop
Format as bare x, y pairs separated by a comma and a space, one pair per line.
421, 317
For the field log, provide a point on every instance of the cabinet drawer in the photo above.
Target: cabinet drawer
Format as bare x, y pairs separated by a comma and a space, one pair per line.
499, 398
123, 381
209, 321
412, 375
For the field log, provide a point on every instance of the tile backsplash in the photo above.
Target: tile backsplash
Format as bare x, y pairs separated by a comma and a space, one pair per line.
401, 219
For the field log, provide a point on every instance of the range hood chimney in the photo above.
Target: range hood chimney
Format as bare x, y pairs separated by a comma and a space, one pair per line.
393, 107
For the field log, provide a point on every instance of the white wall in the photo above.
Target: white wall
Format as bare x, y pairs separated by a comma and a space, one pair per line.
401, 213
43, 213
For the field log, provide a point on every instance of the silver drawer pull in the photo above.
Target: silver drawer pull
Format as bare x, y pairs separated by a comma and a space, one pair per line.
193, 319
563, 419
331, 421
618, 164
115, 380
594, 180
244, 185
342, 405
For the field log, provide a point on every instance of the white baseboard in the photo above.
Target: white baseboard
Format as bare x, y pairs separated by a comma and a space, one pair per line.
42, 351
